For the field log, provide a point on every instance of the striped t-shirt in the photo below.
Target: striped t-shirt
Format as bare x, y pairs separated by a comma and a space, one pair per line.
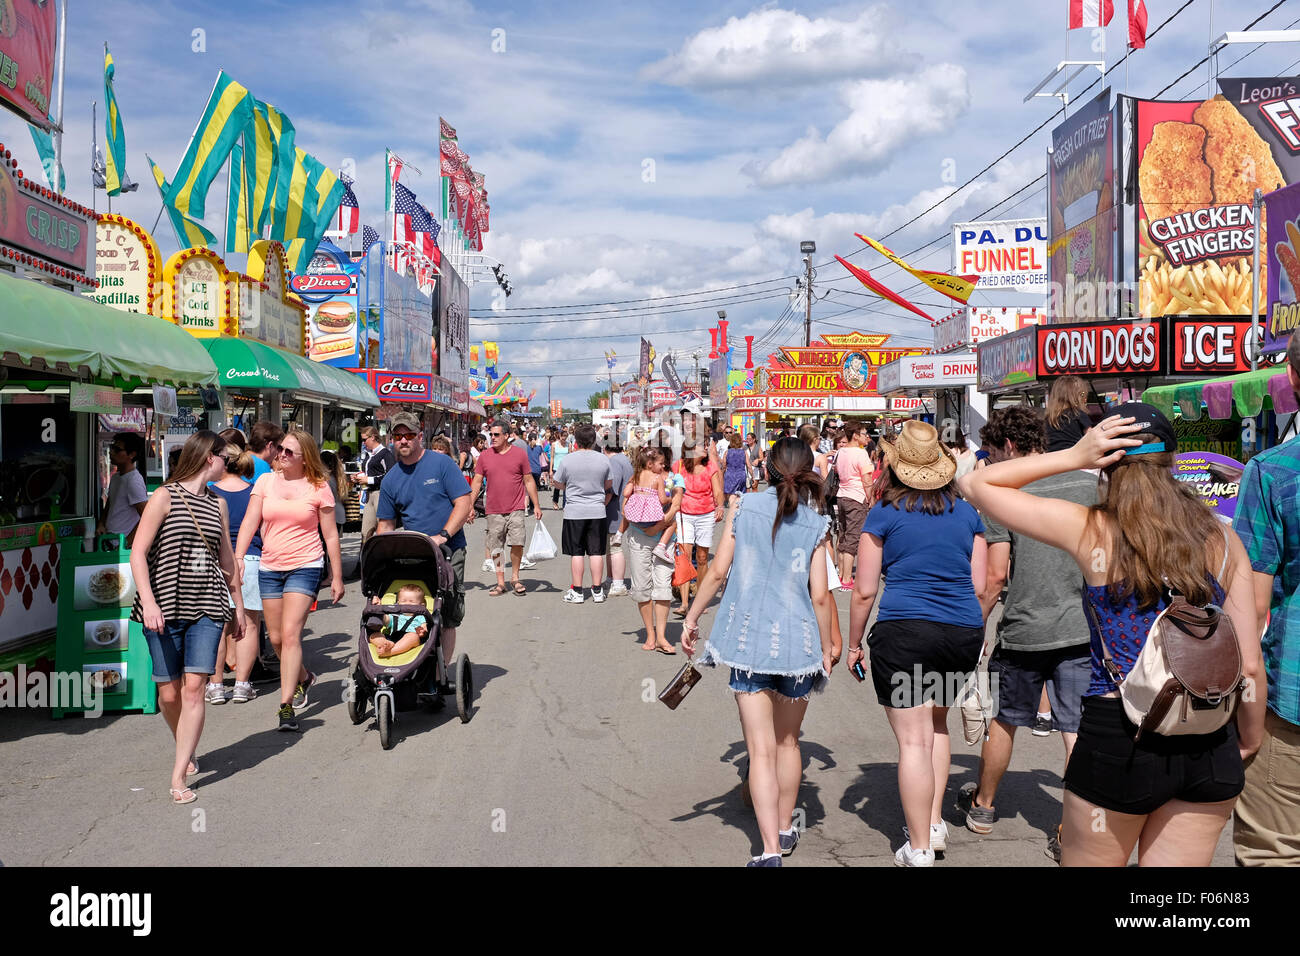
184, 574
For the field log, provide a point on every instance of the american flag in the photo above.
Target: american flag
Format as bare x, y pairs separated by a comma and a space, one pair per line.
349, 215
369, 236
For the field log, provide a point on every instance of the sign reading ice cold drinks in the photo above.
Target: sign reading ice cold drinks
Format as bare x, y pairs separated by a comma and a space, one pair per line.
199, 295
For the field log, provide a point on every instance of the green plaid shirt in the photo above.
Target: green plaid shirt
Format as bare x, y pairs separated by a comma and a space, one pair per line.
1268, 522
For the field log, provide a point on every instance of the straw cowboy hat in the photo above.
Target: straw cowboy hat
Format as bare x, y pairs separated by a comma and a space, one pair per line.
918, 459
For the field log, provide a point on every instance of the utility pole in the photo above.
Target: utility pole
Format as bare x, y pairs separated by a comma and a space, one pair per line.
807, 247
548, 394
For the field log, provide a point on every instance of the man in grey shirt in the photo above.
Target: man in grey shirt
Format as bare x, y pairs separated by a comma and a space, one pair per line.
584, 477
1043, 634
620, 473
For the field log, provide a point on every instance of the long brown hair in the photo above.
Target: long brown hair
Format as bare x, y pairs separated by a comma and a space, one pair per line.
313, 468
935, 502
1160, 535
790, 469
241, 464
194, 455
1067, 397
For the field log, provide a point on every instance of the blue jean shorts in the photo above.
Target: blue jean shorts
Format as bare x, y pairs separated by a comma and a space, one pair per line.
795, 688
273, 584
184, 647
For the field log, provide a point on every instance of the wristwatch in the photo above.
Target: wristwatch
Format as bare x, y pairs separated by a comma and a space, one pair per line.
443, 533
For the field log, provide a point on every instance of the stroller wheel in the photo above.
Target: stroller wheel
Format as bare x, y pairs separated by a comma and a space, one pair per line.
355, 697
384, 715
464, 688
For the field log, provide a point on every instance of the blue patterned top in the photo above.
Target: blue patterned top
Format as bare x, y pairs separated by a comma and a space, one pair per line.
1124, 629
1268, 523
765, 623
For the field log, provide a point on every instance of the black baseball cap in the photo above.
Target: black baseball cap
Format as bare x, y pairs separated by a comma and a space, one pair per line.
1157, 434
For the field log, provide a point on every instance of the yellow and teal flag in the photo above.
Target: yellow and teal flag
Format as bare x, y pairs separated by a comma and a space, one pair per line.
229, 112
237, 239
188, 232
114, 135
269, 153
300, 200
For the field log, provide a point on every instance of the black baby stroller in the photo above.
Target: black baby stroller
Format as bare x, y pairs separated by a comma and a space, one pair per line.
418, 677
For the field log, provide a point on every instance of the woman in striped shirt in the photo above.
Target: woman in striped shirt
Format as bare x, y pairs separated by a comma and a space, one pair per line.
186, 585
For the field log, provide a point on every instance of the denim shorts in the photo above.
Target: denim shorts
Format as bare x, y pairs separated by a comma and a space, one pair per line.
1022, 674
273, 584
794, 688
184, 647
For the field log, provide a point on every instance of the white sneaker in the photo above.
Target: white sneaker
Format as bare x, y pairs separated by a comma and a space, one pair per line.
526, 565
573, 597
598, 596
617, 589
216, 694
938, 836
906, 856
489, 564
243, 692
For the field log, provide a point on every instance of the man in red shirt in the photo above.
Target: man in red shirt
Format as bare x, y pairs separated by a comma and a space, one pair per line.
510, 487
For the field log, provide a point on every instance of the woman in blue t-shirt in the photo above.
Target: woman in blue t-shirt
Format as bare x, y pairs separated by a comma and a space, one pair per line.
238, 651
929, 631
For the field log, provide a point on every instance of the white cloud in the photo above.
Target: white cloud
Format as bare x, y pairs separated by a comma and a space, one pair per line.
772, 46
885, 117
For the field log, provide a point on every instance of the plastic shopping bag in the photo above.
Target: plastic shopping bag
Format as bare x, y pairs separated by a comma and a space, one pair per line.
833, 582
541, 547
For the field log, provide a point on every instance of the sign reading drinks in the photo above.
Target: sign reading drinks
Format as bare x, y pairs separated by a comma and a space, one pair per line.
128, 266
199, 294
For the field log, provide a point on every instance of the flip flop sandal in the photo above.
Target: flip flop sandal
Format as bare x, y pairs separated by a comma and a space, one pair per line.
497, 590
519, 588
671, 652
195, 764
179, 798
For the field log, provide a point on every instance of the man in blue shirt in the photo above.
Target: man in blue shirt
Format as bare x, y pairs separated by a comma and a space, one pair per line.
1266, 828
432, 496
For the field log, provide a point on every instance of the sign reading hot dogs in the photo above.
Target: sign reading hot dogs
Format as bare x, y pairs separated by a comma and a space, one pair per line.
1099, 349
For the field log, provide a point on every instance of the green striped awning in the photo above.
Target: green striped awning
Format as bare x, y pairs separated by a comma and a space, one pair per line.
73, 332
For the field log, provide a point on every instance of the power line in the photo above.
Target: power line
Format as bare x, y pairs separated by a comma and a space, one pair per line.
651, 311
652, 298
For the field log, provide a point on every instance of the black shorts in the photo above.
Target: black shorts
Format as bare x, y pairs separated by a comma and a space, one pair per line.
582, 536
914, 661
1109, 770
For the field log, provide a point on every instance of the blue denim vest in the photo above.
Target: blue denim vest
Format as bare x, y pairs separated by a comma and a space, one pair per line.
765, 623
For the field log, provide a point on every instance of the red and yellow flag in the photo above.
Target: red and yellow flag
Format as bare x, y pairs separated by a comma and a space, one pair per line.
954, 287
863, 276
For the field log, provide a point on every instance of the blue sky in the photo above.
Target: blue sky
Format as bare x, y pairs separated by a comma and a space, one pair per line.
765, 124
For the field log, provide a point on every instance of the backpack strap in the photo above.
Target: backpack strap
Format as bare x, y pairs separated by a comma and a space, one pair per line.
1107, 660
1226, 543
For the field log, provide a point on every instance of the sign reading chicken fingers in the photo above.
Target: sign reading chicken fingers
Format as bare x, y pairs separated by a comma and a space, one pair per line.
1199, 164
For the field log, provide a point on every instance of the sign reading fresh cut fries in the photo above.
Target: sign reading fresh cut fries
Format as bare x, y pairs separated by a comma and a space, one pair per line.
1199, 164
1283, 315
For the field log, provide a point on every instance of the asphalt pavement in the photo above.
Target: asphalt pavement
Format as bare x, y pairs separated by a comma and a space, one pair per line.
569, 760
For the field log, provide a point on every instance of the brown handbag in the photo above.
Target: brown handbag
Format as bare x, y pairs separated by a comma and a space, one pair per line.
680, 685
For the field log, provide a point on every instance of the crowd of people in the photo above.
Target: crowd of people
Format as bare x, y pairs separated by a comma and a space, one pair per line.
1078, 530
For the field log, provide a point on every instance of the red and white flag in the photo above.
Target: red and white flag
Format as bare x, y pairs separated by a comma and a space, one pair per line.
1090, 13
1137, 24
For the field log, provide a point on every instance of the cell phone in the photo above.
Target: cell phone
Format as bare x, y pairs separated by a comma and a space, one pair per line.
859, 671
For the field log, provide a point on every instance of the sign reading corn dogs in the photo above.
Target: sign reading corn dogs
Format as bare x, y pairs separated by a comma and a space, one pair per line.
1283, 316
1199, 164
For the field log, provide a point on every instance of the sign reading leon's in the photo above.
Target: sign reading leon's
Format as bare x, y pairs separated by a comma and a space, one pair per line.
1098, 349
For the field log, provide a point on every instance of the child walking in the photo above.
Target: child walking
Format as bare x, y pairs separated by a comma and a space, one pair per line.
773, 629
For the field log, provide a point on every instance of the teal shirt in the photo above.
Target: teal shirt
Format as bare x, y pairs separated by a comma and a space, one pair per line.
1268, 523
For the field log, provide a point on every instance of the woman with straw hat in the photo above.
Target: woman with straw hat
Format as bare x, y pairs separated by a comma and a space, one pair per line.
929, 630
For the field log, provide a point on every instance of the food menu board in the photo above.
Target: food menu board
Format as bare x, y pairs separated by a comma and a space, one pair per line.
1215, 479
96, 638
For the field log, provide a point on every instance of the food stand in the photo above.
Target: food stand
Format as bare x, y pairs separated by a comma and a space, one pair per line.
941, 385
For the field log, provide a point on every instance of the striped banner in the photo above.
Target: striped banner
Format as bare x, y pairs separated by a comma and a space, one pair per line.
228, 113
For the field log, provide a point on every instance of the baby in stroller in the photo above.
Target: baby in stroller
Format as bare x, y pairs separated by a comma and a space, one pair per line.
411, 629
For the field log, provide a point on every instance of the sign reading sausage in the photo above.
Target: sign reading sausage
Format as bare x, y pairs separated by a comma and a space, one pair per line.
1099, 349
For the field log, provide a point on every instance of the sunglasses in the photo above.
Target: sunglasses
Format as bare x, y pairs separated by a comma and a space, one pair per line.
498, 435
403, 436
288, 453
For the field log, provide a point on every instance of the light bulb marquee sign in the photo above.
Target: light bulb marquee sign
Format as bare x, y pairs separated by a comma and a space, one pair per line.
810, 378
